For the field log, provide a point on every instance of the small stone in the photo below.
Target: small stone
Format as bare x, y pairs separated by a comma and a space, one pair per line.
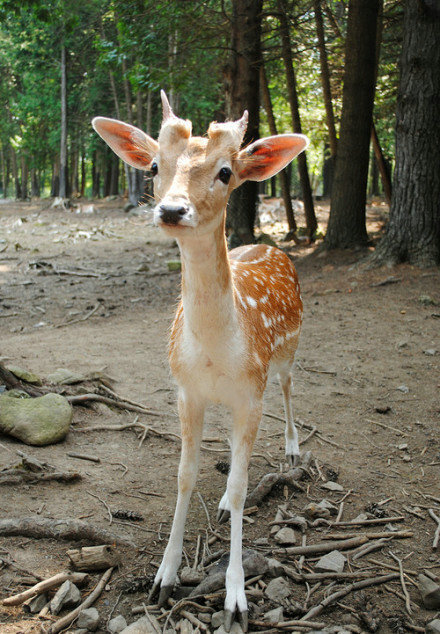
117, 624
403, 388
89, 619
217, 618
67, 596
63, 376
143, 268
406, 457
278, 589
36, 604
331, 562
29, 377
361, 517
190, 577
402, 447
430, 353
204, 617
275, 568
235, 629
143, 626
274, 616
285, 536
430, 592
427, 300
332, 486
433, 627
323, 509
262, 541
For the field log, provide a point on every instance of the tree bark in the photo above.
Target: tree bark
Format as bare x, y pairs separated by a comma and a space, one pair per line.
325, 79
284, 179
63, 141
15, 173
413, 232
346, 227
243, 93
303, 171
24, 178
35, 184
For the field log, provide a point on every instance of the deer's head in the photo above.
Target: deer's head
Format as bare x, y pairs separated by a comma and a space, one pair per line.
194, 176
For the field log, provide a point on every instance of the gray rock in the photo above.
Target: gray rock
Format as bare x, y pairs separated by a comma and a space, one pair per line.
274, 616
117, 624
235, 629
128, 207
63, 376
278, 589
217, 618
67, 596
190, 577
275, 568
36, 604
35, 421
89, 619
331, 562
253, 564
430, 591
142, 626
285, 536
25, 375
433, 627
430, 352
332, 486
322, 509
82, 630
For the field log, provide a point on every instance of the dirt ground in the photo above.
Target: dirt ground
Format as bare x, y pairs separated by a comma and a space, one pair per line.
366, 348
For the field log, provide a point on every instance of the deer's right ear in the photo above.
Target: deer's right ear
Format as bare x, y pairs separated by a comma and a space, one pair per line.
131, 144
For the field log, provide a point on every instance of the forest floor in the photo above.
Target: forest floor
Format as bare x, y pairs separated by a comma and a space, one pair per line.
366, 375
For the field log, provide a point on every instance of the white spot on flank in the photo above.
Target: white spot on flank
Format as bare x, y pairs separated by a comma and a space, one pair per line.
251, 301
267, 321
240, 299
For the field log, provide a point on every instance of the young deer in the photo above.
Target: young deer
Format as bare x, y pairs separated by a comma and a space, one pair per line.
240, 313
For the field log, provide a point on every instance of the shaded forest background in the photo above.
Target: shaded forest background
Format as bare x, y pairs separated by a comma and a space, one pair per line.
329, 68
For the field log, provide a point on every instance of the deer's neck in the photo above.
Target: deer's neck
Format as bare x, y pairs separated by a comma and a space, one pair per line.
207, 292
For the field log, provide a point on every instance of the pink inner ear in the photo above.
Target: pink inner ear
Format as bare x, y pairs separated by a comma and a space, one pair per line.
267, 157
126, 141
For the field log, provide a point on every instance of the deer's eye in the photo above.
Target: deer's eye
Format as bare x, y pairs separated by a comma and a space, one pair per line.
153, 168
225, 175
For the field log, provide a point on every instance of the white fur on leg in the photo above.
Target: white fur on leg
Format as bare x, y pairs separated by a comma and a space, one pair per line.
291, 434
224, 504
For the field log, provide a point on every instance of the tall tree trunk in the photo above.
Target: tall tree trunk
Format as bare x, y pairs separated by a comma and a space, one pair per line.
74, 181
55, 186
346, 225
35, 185
413, 231
243, 93
15, 175
284, 178
303, 171
63, 141
83, 174
325, 79
96, 175
382, 164
24, 178
114, 179
118, 115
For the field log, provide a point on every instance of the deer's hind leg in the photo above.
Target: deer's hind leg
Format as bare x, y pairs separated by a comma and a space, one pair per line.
291, 434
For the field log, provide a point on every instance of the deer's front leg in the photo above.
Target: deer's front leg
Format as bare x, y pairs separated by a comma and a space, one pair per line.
246, 422
191, 411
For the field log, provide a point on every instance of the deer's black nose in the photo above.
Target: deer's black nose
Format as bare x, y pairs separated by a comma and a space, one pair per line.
172, 214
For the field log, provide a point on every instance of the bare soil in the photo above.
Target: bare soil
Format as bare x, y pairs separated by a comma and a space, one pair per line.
366, 348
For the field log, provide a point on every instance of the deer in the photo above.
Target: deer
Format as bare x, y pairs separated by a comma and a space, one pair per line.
239, 316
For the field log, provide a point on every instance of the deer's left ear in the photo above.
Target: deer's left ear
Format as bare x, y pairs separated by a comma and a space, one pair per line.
131, 144
266, 157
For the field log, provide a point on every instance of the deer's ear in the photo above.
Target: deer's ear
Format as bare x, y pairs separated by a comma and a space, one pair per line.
266, 157
131, 144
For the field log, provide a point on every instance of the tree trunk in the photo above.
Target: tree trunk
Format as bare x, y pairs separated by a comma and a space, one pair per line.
55, 187
243, 93
284, 177
118, 115
83, 174
325, 79
96, 175
63, 140
15, 173
346, 227
383, 166
24, 178
303, 171
413, 232
35, 185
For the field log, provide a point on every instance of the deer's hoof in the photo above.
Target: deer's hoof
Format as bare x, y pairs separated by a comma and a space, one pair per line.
292, 460
164, 595
223, 515
229, 619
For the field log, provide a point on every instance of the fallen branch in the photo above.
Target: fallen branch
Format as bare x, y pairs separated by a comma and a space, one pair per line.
437, 532
323, 547
83, 456
79, 319
359, 585
69, 529
65, 621
20, 476
371, 522
46, 584
78, 399
145, 429
289, 478
378, 535
402, 582
282, 625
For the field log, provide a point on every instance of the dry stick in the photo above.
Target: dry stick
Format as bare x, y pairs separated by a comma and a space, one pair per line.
376, 520
378, 535
399, 431
127, 426
65, 621
19, 476
281, 625
305, 426
368, 548
82, 456
323, 547
70, 529
83, 398
75, 321
365, 583
123, 399
437, 532
382, 564
110, 516
341, 510
47, 584
402, 582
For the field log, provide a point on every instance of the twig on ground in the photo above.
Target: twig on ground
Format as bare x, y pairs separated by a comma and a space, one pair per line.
65, 621
79, 319
359, 585
205, 508
288, 478
368, 548
371, 522
46, 584
323, 547
377, 535
82, 456
402, 582
110, 516
304, 426
436, 518
20, 476
78, 399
